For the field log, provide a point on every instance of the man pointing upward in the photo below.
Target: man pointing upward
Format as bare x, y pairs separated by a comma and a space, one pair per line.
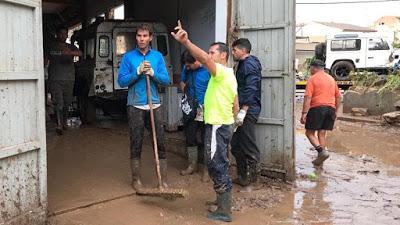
220, 108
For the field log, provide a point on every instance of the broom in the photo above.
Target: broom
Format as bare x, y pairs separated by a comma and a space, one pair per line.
167, 193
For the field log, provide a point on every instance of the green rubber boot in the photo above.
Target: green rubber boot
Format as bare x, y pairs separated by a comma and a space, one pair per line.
223, 212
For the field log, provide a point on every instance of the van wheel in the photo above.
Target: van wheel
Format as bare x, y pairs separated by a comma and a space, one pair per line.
341, 70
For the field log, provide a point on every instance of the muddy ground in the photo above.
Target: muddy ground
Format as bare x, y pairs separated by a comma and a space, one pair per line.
89, 182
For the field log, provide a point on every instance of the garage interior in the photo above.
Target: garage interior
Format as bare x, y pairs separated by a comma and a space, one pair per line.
91, 164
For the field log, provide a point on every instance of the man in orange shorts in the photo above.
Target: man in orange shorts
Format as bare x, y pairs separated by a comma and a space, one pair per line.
320, 108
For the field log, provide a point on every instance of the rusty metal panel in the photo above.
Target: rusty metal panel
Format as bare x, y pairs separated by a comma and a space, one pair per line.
269, 25
23, 193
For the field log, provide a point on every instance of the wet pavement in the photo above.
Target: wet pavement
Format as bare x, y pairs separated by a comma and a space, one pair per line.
89, 184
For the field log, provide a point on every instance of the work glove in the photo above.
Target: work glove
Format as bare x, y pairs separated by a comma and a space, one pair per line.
240, 117
145, 67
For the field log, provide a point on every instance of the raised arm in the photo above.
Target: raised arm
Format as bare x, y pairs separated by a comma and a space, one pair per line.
182, 37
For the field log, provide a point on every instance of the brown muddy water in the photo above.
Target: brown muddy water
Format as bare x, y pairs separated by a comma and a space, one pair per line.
89, 184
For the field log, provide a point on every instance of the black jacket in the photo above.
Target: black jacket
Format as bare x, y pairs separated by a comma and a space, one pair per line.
248, 75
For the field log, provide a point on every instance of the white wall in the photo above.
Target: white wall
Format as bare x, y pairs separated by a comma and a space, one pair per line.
221, 16
316, 30
199, 20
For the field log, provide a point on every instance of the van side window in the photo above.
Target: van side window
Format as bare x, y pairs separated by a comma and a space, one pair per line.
162, 45
377, 44
125, 41
346, 45
104, 46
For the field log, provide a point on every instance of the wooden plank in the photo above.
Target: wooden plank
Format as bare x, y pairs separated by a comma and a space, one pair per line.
264, 27
271, 121
27, 3
19, 149
19, 75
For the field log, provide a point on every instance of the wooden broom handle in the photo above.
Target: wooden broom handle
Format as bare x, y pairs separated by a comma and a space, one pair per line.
153, 129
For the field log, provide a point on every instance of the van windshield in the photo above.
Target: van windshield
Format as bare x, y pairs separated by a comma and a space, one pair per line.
125, 41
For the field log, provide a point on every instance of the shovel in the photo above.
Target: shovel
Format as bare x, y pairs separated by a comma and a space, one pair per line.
167, 193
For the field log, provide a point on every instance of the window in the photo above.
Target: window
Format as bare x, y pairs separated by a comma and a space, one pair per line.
346, 45
377, 44
162, 45
125, 42
104, 47
89, 53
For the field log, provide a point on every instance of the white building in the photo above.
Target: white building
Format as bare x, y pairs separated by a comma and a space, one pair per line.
317, 31
390, 26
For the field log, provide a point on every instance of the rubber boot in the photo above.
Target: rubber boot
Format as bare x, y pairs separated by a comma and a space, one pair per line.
252, 182
223, 212
163, 170
192, 160
59, 128
135, 168
322, 156
243, 173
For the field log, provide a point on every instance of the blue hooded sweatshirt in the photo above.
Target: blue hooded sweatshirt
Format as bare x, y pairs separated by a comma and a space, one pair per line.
128, 77
248, 75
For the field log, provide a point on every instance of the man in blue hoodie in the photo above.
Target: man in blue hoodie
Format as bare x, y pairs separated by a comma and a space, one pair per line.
194, 82
135, 65
244, 146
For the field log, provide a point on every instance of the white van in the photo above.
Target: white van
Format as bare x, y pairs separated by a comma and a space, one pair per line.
346, 52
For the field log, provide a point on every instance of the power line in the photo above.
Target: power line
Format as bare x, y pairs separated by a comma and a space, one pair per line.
349, 2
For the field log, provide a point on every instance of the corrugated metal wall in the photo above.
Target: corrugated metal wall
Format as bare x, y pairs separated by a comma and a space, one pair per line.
269, 25
23, 196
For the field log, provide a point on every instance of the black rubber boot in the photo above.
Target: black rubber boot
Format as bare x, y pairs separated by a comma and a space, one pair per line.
243, 174
135, 168
223, 212
164, 172
253, 172
192, 161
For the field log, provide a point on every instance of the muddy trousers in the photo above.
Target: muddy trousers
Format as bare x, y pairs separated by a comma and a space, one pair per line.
191, 129
245, 150
216, 141
62, 96
139, 119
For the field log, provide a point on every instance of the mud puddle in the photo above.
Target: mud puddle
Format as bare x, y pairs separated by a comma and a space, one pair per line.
92, 164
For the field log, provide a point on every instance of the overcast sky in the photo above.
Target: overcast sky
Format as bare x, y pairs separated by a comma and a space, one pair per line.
362, 14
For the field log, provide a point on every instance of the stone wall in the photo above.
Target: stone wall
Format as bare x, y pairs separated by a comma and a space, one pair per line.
377, 104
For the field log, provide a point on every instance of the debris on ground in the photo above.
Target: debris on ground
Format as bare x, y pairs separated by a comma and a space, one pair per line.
365, 172
392, 117
359, 111
268, 194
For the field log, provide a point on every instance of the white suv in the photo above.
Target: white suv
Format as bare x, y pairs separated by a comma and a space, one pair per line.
346, 52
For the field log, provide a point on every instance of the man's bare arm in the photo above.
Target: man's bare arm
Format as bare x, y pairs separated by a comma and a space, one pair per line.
337, 104
306, 104
245, 107
182, 37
